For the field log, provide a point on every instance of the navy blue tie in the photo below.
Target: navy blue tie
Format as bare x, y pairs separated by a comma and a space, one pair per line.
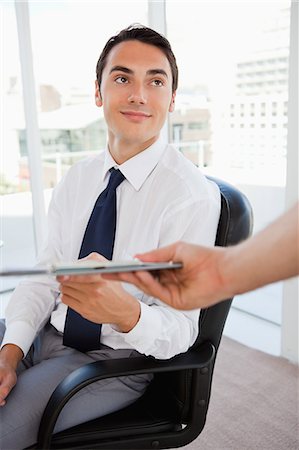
99, 237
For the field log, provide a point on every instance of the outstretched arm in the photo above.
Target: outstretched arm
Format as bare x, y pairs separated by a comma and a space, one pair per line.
269, 256
214, 274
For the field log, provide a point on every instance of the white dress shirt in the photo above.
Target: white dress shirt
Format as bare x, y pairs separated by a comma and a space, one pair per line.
163, 199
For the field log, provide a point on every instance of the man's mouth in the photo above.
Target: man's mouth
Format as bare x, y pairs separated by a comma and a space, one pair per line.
138, 116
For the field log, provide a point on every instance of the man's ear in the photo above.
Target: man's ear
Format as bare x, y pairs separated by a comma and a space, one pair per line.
98, 97
172, 104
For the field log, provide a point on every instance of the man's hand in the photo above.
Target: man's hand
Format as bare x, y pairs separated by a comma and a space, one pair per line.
198, 284
10, 356
99, 300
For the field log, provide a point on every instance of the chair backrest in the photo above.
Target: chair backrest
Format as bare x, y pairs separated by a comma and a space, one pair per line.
235, 224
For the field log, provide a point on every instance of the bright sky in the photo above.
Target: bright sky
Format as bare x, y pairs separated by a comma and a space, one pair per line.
208, 37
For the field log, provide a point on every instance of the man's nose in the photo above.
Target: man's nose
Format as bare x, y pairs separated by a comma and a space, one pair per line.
137, 95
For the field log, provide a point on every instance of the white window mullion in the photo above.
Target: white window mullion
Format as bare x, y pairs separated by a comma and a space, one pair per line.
157, 21
31, 123
157, 16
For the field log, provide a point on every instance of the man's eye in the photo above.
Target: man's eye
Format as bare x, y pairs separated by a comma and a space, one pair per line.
157, 83
121, 80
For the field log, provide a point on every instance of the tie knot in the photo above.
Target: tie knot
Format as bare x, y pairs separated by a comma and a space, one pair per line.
116, 178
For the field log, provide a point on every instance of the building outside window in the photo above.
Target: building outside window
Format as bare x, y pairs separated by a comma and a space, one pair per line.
234, 57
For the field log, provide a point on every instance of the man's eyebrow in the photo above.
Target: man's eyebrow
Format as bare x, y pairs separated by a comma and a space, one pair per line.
121, 69
157, 72
130, 71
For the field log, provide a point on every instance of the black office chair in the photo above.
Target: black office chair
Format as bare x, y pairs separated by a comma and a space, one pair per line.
173, 410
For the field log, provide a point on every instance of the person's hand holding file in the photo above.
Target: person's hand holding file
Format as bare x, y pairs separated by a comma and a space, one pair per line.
180, 287
213, 274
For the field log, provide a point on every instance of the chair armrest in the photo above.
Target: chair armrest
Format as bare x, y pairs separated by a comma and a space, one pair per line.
90, 373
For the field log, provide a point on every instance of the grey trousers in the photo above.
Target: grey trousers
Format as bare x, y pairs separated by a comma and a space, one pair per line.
46, 364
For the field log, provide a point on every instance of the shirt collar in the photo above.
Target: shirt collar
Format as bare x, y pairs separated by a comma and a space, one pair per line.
137, 169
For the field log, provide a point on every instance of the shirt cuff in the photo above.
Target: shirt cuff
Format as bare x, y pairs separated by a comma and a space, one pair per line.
15, 334
148, 326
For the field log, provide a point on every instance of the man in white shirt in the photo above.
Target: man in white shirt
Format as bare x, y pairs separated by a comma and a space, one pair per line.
163, 198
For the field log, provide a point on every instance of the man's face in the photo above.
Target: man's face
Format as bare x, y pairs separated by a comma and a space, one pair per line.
136, 94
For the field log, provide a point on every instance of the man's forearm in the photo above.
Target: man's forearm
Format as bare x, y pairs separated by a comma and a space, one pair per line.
12, 354
269, 256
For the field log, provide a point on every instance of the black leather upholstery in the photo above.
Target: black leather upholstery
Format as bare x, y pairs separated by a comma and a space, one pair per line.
173, 410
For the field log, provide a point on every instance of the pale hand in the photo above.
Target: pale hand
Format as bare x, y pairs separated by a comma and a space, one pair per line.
197, 285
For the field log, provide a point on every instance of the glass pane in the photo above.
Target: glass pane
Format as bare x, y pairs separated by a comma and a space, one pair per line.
71, 126
231, 109
17, 237
67, 38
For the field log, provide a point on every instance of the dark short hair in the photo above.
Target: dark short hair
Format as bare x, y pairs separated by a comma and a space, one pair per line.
143, 34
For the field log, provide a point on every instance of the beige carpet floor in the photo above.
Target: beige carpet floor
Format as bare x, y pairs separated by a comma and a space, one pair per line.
254, 402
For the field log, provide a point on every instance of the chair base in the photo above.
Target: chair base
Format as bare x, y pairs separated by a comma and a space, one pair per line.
136, 420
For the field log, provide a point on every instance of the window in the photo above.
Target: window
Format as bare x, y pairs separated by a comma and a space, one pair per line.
67, 38
197, 125
71, 126
17, 234
238, 76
